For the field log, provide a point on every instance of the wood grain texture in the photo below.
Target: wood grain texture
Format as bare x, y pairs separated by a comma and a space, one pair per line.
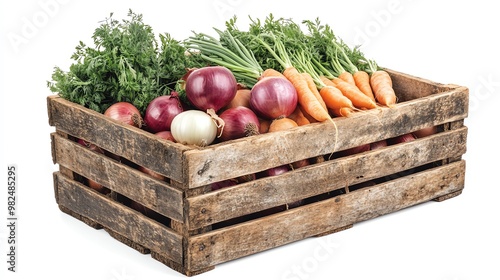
254, 236
134, 144
253, 154
409, 87
120, 219
132, 183
313, 180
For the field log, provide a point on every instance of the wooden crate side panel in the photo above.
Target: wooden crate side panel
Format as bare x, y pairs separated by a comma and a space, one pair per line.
314, 180
122, 220
258, 235
134, 144
408, 87
254, 154
134, 184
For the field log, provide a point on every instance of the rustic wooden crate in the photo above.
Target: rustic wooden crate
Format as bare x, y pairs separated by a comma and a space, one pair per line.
191, 228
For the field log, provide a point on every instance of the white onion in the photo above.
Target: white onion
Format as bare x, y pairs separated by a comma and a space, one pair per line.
194, 127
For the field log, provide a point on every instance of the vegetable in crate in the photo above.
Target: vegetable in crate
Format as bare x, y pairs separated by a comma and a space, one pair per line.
161, 111
194, 127
127, 64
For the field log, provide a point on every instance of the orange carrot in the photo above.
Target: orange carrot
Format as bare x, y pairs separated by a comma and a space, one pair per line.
347, 77
314, 88
306, 115
358, 98
342, 112
282, 124
362, 81
269, 72
299, 117
306, 98
334, 98
381, 84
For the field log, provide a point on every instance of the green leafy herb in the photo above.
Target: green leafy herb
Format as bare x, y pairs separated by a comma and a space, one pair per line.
126, 64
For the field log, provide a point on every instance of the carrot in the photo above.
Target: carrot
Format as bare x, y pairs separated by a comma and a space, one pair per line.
269, 72
362, 81
306, 115
342, 112
347, 77
306, 97
282, 124
299, 117
381, 84
335, 99
313, 88
358, 98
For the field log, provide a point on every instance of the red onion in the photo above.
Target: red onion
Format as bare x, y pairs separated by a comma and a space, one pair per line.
223, 184
151, 173
401, 139
273, 97
277, 170
160, 112
378, 144
355, 150
124, 112
211, 87
426, 131
167, 135
239, 122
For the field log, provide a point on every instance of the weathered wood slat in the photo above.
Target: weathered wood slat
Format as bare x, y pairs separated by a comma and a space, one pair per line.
132, 143
245, 156
119, 218
134, 184
408, 87
254, 236
306, 182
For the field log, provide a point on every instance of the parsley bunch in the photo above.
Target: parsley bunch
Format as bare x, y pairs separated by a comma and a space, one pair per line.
126, 64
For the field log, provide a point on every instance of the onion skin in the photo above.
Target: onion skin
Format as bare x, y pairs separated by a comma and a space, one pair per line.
425, 132
126, 113
401, 139
161, 111
355, 150
378, 144
151, 173
223, 184
273, 97
194, 127
242, 98
211, 87
239, 122
277, 170
167, 135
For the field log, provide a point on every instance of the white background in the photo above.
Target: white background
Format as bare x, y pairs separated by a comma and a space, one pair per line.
446, 41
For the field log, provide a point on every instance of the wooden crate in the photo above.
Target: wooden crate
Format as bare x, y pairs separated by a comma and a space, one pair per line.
191, 228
